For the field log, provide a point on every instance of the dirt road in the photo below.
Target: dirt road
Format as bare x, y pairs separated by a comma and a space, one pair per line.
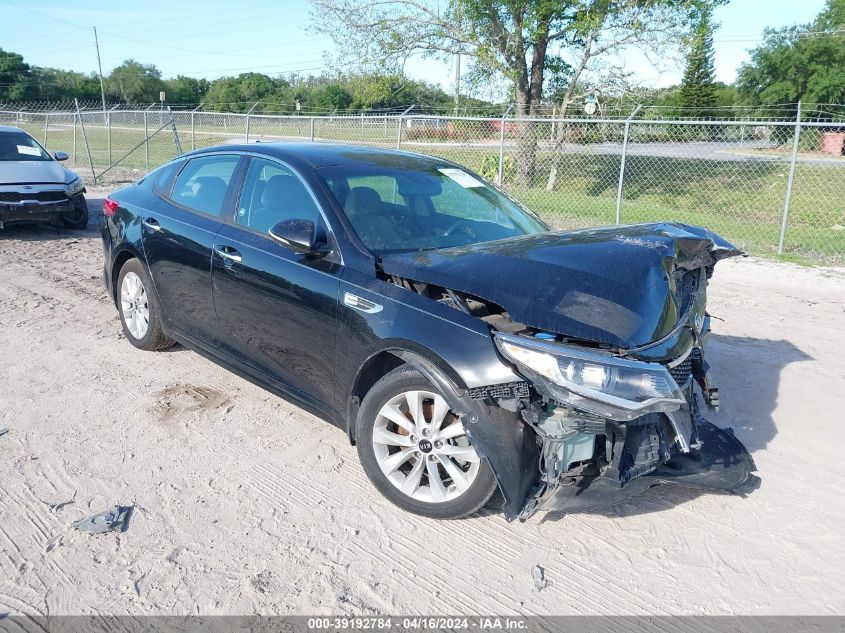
245, 504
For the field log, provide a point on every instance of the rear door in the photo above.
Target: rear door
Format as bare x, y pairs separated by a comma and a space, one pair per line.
178, 238
277, 309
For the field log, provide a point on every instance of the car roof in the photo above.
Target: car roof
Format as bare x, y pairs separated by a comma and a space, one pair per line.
10, 128
317, 155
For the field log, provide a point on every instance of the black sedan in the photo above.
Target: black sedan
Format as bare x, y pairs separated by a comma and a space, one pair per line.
459, 342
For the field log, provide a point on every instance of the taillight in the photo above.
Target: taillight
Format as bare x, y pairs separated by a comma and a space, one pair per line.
110, 207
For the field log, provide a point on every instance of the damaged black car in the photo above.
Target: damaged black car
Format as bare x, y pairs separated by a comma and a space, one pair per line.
461, 343
35, 187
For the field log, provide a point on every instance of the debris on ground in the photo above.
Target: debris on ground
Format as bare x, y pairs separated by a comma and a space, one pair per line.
539, 576
111, 520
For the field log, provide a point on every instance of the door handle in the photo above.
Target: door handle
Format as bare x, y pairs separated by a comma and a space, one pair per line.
152, 223
227, 252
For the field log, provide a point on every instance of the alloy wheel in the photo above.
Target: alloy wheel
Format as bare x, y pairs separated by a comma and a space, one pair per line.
422, 448
134, 306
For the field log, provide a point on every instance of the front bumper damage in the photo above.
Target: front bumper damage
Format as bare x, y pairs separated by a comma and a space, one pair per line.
39, 205
35, 212
557, 458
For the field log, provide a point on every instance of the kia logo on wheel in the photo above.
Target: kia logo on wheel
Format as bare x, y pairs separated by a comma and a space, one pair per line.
425, 446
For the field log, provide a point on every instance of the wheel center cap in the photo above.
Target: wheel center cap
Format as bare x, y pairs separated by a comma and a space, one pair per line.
425, 446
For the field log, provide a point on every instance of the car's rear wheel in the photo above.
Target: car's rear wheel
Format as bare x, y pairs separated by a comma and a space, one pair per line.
415, 450
140, 314
77, 217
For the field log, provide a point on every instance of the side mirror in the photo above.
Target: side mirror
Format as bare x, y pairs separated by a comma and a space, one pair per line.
301, 236
60, 156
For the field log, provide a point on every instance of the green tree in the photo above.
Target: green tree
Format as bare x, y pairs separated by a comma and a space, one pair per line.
186, 90
242, 92
16, 80
698, 93
511, 38
134, 82
333, 96
799, 63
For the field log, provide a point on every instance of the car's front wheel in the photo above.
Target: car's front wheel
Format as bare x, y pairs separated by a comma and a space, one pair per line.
140, 314
77, 217
415, 450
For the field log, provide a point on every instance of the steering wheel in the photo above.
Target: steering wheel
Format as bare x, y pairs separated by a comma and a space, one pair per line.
458, 224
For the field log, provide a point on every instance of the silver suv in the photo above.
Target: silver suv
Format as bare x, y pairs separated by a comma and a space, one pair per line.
34, 187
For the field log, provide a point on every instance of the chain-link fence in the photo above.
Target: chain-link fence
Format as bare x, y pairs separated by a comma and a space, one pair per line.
770, 186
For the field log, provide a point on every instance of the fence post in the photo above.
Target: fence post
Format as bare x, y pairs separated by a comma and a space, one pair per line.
499, 171
787, 199
85, 139
46, 126
247, 120
622, 165
146, 143
312, 129
193, 133
108, 132
74, 140
399, 127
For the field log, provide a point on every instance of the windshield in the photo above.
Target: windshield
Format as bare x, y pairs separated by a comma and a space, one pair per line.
397, 209
20, 146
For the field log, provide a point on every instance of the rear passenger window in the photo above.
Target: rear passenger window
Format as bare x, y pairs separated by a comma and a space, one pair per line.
203, 182
163, 176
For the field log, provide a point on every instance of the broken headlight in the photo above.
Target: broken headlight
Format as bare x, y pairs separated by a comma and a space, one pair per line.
612, 387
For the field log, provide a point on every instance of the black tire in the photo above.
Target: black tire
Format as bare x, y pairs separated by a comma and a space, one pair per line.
154, 338
398, 381
77, 218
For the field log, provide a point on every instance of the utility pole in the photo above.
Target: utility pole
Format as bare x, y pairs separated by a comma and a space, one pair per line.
100, 67
458, 59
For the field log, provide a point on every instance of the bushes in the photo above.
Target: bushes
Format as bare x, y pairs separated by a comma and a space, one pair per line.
489, 169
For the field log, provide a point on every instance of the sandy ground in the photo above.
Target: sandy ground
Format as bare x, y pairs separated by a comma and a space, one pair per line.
245, 504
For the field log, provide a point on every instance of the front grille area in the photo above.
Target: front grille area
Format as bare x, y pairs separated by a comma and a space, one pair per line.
682, 373
41, 196
508, 390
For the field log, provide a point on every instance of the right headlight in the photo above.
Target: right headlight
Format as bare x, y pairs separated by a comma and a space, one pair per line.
606, 385
74, 187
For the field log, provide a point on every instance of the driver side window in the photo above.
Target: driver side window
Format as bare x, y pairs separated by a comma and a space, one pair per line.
272, 194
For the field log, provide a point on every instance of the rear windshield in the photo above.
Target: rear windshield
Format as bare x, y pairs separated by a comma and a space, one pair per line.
20, 146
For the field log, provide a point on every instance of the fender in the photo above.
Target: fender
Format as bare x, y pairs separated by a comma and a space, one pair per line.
427, 362
118, 257
499, 436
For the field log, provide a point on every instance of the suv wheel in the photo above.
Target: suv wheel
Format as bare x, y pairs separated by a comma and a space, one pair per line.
416, 452
139, 310
78, 217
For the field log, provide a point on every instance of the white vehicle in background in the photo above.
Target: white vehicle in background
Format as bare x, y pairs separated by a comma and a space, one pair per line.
35, 187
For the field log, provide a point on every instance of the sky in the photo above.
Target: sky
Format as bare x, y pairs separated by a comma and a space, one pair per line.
213, 38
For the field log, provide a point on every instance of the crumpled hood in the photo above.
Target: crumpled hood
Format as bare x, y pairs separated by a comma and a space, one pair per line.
617, 285
37, 171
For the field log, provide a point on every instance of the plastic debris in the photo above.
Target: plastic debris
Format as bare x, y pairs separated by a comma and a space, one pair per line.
539, 576
111, 520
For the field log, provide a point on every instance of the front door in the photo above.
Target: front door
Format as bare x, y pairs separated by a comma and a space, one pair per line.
277, 309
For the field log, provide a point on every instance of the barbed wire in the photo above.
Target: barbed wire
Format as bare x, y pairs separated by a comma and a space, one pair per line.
772, 113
